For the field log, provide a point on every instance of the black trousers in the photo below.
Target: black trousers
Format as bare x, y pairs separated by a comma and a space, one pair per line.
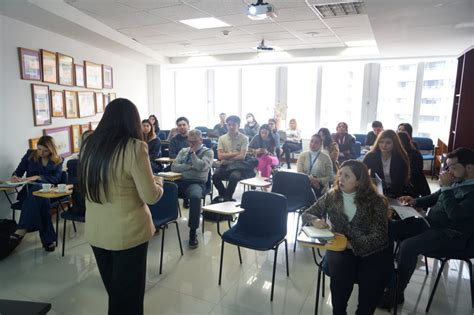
371, 273
123, 273
233, 177
289, 147
418, 239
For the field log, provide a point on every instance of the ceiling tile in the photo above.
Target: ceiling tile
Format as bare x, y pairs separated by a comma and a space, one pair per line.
295, 13
242, 19
106, 8
160, 39
150, 4
179, 12
135, 19
304, 25
219, 8
348, 21
262, 28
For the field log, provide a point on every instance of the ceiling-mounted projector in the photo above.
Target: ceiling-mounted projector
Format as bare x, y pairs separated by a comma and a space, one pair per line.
262, 46
260, 11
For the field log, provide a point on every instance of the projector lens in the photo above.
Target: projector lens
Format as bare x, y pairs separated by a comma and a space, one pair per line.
252, 10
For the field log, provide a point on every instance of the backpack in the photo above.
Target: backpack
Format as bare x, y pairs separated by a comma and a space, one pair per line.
7, 228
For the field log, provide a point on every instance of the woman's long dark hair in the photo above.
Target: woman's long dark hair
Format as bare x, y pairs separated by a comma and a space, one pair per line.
101, 150
270, 135
327, 140
156, 125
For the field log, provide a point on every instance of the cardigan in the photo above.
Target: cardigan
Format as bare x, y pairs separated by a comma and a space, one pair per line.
398, 169
322, 168
51, 173
194, 167
367, 234
124, 220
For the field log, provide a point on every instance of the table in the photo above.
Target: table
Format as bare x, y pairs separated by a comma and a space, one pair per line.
223, 208
259, 182
54, 193
12, 307
338, 244
170, 176
164, 160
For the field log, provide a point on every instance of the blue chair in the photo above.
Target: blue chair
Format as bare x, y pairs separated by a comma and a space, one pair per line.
163, 134
164, 212
356, 149
426, 144
361, 138
296, 187
262, 227
75, 215
207, 142
203, 130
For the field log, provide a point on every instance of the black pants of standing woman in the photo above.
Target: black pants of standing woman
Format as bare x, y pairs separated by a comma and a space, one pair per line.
123, 273
371, 273
289, 147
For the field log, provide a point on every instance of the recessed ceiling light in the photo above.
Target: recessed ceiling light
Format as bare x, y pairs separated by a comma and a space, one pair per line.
204, 23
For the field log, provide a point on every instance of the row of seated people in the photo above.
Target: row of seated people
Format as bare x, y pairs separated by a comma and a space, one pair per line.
356, 210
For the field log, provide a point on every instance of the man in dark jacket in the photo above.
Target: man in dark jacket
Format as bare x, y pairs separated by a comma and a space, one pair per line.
180, 140
448, 225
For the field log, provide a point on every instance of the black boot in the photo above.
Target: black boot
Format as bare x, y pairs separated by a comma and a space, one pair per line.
193, 241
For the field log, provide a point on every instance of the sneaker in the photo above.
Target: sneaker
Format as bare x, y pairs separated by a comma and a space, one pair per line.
186, 203
193, 242
388, 298
50, 247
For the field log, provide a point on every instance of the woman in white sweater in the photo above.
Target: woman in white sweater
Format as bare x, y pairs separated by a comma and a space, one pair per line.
317, 165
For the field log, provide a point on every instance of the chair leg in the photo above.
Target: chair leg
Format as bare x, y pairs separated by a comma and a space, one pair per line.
179, 210
469, 263
74, 226
318, 288
426, 266
274, 269
64, 236
443, 262
162, 246
286, 258
222, 260
202, 224
324, 284
296, 233
240, 255
57, 224
179, 238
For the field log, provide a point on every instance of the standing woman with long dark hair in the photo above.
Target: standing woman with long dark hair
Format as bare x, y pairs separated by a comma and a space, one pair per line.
118, 182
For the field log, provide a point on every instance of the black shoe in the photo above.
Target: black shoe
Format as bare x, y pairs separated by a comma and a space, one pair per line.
388, 298
193, 242
50, 247
229, 199
186, 203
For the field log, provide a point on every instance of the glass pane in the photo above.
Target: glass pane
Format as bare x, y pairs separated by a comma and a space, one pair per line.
341, 98
396, 93
258, 92
226, 92
168, 116
437, 98
302, 97
191, 96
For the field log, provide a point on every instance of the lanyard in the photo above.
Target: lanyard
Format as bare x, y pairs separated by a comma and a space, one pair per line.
313, 161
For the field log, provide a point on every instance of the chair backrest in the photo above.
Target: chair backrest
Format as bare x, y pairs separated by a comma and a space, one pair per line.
72, 165
163, 134
361, 138
424, 143
64, 178
203, 130
356, 149
296, 187
265, 214
167, 207
207, 142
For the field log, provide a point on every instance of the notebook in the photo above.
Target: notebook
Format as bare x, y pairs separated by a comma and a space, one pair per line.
313, 232
405, 212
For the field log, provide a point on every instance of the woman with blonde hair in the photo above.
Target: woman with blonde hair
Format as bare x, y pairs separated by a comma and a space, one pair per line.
390, 162
292, 142
42, 166
355, 209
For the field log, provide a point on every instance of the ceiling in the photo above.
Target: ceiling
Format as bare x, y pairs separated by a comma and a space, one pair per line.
390, 29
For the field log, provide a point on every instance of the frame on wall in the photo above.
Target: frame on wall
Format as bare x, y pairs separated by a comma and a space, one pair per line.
75, 138
62, 138
108, 77
86, 101
93, 75
79, 75
85, 127
30, 64
41, 104
57, 103
50, 66
65, 69
106, 100
99, 102
33, 143
70, 104
94, 125
112, 96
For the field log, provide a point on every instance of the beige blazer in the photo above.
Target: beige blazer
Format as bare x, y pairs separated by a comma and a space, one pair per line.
322, 168
124, 220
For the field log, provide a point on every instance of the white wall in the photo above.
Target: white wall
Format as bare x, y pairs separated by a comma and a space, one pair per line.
16, 113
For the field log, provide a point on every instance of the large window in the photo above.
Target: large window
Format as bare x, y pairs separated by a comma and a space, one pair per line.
258, 92
396, 93
191, 96
302, 97
341, 98
437, 98
226, 92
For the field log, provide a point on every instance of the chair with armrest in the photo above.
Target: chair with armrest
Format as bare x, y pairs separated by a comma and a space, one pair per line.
296, 187
163, 134
249, 232
164, 212
426, 144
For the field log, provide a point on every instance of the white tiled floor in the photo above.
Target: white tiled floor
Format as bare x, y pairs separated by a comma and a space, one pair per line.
188, 284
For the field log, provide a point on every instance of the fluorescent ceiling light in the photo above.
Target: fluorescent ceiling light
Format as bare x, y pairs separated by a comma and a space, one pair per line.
204, 23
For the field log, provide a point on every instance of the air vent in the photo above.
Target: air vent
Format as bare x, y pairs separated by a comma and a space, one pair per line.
339, 9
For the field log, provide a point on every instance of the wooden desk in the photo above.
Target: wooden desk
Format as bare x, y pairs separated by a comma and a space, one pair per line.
11, 307
170, 176
338, 244
259, 182
223, 208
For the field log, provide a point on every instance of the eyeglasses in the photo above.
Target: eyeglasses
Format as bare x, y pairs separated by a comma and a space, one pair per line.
449, 167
